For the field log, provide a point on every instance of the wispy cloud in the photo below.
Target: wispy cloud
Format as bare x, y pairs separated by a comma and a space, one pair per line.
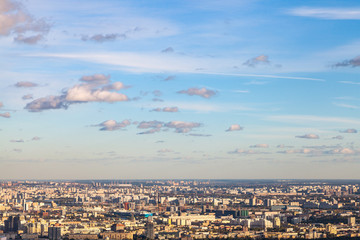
157, 62
343, 105
327, 13
350, 82
311, 119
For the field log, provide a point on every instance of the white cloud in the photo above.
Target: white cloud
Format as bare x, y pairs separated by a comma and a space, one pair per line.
111, 125
311, 119
95, 88
234, 127
346, 105
327, 13
86, 93
157, 62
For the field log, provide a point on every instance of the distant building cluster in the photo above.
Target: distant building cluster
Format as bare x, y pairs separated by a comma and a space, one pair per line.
178, 210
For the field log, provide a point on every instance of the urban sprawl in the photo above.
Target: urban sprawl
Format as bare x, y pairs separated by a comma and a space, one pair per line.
179, 209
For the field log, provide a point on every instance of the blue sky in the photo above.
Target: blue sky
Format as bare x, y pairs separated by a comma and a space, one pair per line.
179, 89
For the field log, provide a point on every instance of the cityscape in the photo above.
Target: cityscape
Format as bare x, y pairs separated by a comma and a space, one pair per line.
180, 209
179, 119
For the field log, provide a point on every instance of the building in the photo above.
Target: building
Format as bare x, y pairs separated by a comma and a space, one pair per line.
351, 221
54, 233
12, 224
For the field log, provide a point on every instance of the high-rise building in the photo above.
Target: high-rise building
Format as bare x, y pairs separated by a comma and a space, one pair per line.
351, 221
12, 224
150, 230
54, 233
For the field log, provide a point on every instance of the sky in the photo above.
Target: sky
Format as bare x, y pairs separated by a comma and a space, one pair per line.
110, 89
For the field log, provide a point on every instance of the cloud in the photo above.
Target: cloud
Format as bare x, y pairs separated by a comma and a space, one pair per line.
327, 13
1, 104
346, 151
96, 79
242, 151
346, 105
166, 109
354, 62
111, 125
234, 127
157, 100
350, 82
260, 145
165, 150
339, 137
16, 21
168, 50
150, 124
46, 103
302, 151
35, 138
182, 127
17, 141
202, 92
5, 115
151, 131
349, 130
170, 109
169, 78
309, 136
25, 84
87, 93
18, 150
283, 146
100, 38
199, 135
94, 88
157, 93
262, 59
311, 119
27, 96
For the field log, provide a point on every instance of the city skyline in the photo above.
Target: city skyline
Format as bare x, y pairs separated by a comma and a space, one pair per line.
179, 90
